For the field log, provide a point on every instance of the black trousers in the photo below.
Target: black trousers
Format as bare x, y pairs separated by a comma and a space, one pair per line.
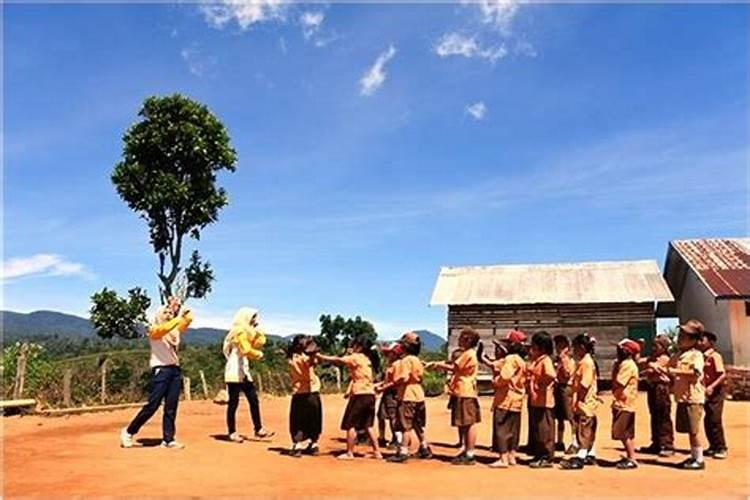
542, 427
714, 408
165, 385
234, 389
660, 411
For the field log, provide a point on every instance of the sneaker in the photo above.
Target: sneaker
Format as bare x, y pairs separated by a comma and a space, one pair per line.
235, 438
574, 463
424, 452
382, 442
295, 452
174, 445
626, 463
572, 450
590, 460
709, 452
393, 445
499, 464
692, 464
666, 452
651, 449
398, 458
312, 450
720, 454
264, 434
541, 463
559, 447
463, 460
126, 440
345, 456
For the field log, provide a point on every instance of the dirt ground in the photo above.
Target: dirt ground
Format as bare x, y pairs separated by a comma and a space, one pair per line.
80, 455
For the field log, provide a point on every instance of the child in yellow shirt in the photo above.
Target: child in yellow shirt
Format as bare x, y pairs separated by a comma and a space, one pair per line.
624, 397
306, 410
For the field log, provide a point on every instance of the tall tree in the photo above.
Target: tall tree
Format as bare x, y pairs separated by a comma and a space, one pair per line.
167, 175
336, 333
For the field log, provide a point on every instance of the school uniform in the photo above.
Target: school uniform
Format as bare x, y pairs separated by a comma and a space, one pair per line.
388, 400
411, 412
624, 397
542, 377
509, 379
465, 410
166, 382
585, 402
689, 391
306, 410
360, 408
658, 394
714, 405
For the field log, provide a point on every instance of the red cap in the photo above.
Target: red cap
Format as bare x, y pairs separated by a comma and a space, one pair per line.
392, 348
516, 337
630, 346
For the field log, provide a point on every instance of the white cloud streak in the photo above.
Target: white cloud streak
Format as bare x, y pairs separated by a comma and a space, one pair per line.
198, 63
456, 44
42, 265
246, 13
477, 110
499, 13
374, 77
311, 23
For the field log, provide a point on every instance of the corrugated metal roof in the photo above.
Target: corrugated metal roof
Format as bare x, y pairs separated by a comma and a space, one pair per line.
722, 264
577, 283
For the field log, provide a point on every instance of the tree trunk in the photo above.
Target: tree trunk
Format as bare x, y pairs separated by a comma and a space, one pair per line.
67, 377
20, 372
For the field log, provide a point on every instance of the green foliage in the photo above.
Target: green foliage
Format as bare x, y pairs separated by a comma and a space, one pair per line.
433, 383
199, 277
41, 372
336, 333
115, 316
168, 176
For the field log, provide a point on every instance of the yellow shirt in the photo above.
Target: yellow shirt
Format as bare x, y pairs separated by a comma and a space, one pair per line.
656, 377
360, 369
585, 387
542, 377
510, 383
565, 368
302, 371
625, 385
407, 374
689, 388
464, 380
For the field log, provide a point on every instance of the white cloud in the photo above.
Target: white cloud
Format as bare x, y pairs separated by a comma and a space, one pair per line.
374, 77
42, 265
499, 13
477, 110
311, 23
245, 13
456, 44
197, 61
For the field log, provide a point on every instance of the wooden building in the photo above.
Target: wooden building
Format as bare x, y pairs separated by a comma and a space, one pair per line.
610, 300
710, 280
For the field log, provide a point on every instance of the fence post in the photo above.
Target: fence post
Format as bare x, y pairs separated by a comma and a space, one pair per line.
67, 377
20, 372
205, 386
186, 388
260, 383
104, 382
338, 378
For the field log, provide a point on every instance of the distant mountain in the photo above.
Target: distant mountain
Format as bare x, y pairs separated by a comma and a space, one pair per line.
51, 323
430, 341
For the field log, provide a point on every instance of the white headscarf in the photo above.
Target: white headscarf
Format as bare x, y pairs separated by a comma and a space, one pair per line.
241, 321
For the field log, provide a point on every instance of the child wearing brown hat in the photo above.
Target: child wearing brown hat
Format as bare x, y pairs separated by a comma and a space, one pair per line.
713, 378
686, 370
658, 391
624, 396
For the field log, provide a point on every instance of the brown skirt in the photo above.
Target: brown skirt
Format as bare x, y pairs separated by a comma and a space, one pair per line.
387, 407
359, 413
623, 424
563, 402
465, 412
411, 415
506, 426
688, 418
585, 431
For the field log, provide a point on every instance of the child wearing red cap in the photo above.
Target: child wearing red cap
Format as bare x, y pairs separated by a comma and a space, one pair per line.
509, 379
624, 395
713, 378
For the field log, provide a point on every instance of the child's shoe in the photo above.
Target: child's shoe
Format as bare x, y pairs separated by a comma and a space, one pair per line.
651, 449
295, 452
424, 452
173, 445
541, 463
235, 438
126, 440
626, 463
720, 454
574, 463
709, 452
590, 460
463, 459
666, 452
693, 464
312, 450
264, 434
398, 458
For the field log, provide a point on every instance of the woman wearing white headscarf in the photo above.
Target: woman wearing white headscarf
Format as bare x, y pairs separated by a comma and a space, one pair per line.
164, 338
243, 342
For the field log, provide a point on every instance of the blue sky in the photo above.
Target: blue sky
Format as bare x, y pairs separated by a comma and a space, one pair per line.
376, 143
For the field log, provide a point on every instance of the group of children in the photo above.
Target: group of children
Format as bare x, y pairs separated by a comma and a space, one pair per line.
556, 377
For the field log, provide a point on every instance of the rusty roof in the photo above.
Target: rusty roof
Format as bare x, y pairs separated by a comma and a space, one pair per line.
576, 283
722, 264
